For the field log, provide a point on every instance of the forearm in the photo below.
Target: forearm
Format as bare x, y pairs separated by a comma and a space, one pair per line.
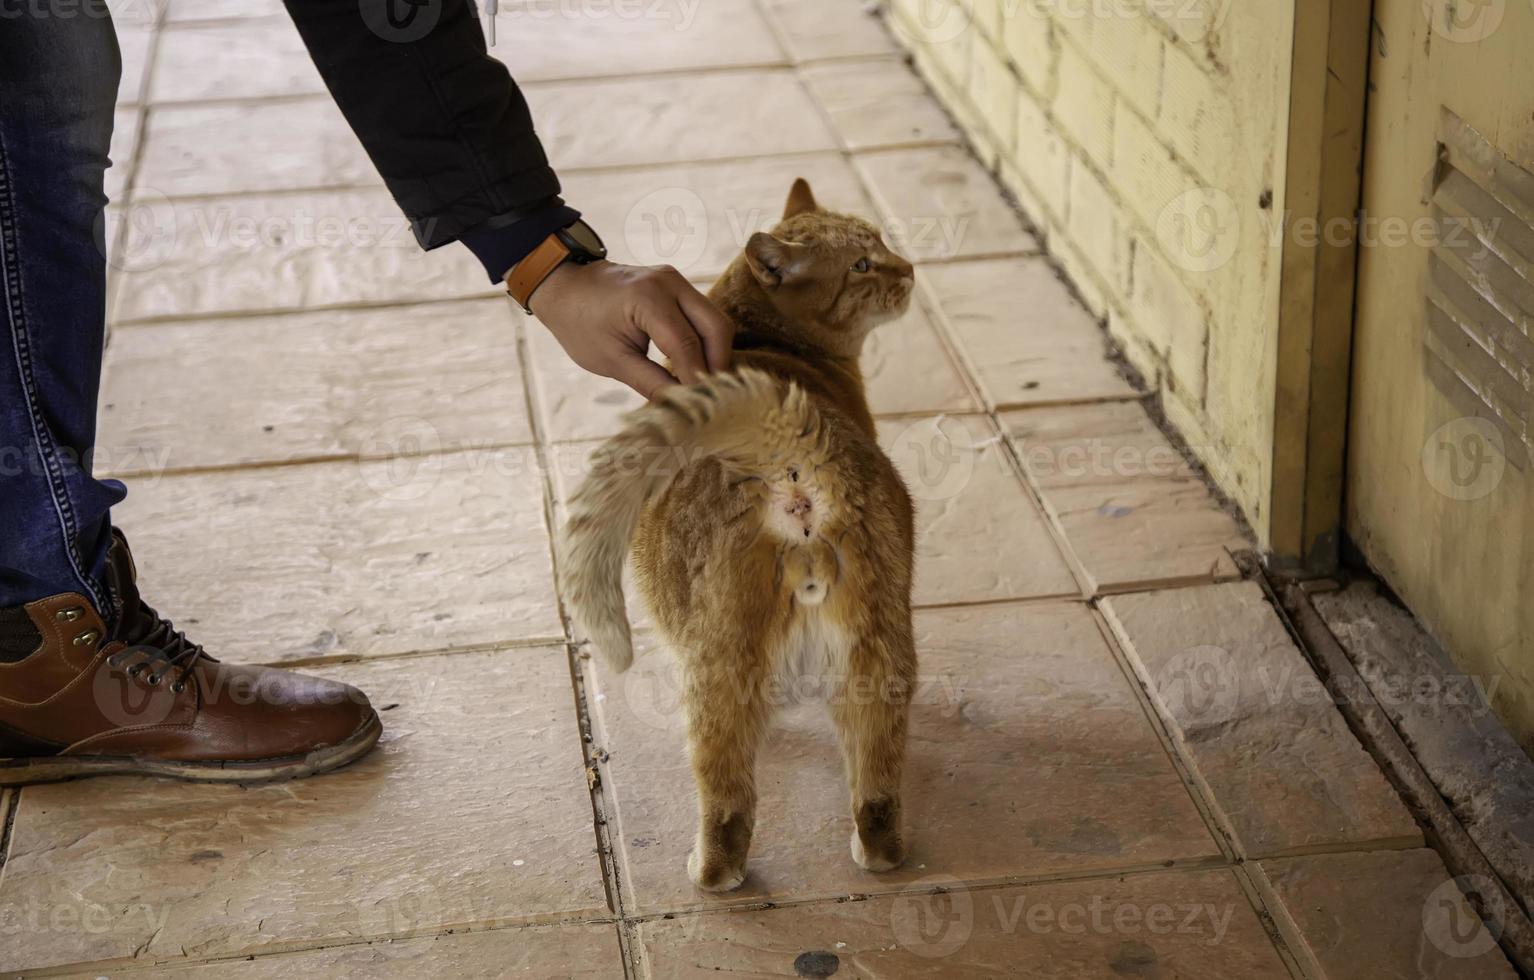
444, 123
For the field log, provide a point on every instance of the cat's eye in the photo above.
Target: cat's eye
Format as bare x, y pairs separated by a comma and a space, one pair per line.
862, 265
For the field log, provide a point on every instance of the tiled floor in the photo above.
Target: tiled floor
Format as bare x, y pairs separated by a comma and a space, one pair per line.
348, 455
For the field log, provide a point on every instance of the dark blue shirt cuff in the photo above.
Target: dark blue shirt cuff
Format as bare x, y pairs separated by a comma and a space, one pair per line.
501, 243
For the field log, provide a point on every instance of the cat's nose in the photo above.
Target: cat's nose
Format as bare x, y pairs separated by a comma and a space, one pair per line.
902, 268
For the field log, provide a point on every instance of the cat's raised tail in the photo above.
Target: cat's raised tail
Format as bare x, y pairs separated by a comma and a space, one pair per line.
750, 421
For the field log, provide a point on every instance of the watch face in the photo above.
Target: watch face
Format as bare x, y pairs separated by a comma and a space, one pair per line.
583, 240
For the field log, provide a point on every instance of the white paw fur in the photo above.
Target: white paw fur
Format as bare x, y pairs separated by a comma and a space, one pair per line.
860, 857
727, 885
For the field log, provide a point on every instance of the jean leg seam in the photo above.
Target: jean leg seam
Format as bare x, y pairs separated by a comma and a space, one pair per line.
21, 350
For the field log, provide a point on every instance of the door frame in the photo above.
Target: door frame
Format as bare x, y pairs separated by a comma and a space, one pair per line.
1318, 274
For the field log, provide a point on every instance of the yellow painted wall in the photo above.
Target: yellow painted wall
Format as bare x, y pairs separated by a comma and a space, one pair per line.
1146, 139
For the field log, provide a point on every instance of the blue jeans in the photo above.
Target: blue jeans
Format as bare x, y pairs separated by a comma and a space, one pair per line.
59, 69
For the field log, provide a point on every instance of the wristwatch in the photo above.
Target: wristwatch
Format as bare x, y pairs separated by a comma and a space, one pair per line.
573, 243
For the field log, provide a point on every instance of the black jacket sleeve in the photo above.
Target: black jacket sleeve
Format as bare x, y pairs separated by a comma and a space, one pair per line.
443, 121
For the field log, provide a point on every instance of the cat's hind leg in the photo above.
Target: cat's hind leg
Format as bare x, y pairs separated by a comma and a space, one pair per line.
871, 717
726, 718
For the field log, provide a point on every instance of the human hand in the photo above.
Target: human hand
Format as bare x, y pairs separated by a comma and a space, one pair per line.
605, 315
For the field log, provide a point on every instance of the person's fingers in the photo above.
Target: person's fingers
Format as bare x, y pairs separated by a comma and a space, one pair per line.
642, 374
712, 326
677, 339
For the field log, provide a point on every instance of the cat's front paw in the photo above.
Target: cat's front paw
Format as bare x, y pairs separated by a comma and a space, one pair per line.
716, 876
876, 841
886, 855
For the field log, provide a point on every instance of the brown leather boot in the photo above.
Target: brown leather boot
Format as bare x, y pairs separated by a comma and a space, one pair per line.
77, 702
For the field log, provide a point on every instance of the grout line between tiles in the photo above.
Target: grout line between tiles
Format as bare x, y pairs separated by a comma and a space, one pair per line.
1190, 866
233, 20
354, 659
956, 359
565, 171
1035, 493
1033, 600
319, 459
1087, 400
10, 805
1274, 916
783, 64
1373, 845
153, 966
1203, 796
928, 143
1199, 793
604, 803
779, 34
243, 101
601, 806
528, 84
1024, 252
895, 57
596, 785
306, 309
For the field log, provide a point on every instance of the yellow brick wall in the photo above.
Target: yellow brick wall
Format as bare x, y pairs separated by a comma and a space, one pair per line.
1146, 140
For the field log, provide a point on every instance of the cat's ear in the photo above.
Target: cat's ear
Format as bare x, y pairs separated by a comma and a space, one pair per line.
772, 260
800, 199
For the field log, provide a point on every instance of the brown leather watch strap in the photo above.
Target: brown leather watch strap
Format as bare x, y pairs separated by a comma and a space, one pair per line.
526, 276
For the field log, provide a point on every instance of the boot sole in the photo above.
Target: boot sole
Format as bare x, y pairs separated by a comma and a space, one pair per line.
53, 769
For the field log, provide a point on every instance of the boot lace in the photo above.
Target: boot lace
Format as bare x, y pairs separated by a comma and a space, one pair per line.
168, 647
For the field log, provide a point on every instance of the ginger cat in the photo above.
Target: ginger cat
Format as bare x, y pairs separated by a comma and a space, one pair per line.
772, 537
